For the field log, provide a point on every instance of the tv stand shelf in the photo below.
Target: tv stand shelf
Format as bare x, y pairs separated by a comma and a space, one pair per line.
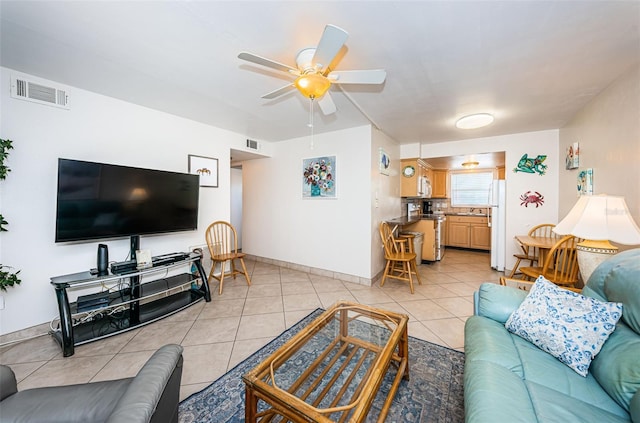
132, 301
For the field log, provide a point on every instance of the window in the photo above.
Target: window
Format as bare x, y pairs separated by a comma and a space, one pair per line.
471, 189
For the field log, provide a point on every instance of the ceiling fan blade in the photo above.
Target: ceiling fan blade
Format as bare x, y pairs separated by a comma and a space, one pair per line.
278, 92
375, 76
253, 58
326, 104
333, 38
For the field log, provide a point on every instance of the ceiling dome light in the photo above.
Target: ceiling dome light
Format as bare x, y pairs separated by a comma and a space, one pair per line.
474, 121
470, 165
312, 85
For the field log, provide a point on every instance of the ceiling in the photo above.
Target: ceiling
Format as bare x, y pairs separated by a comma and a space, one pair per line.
533, 64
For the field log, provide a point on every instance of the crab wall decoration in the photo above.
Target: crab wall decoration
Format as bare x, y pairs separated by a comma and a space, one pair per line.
532, 198
529, 165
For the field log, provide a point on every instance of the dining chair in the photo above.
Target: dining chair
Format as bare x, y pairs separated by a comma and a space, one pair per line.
560, 264
401, 259
222, 241
529, 253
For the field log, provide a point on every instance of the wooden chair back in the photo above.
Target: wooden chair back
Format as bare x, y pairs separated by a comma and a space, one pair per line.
529, 253
388, 240
561, 263
222, 239
543, 230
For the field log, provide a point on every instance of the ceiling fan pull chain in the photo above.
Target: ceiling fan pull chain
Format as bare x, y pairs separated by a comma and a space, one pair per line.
311, 120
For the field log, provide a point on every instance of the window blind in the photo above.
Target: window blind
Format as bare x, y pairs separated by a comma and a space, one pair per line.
471, 189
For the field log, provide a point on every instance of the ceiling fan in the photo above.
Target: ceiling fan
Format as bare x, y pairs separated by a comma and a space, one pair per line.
314, 73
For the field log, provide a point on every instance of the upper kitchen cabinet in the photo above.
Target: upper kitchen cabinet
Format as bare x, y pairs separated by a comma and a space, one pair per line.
414, 181
439, 183
500, 172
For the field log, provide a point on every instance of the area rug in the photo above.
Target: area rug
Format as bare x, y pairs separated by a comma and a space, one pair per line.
434, 392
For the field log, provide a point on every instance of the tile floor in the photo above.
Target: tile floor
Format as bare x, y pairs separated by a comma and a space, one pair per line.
218, 335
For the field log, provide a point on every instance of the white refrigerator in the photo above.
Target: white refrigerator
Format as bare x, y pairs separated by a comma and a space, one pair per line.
497, 221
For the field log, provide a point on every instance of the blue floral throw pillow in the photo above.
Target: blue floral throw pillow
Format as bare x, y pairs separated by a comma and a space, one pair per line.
567, 325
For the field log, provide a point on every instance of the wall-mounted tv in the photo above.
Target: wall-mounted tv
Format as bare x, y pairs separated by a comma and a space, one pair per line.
98, 200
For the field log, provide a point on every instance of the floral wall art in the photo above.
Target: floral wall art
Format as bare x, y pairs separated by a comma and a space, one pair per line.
319, 177
585, 182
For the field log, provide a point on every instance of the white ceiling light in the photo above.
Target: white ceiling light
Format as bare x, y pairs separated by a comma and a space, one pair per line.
474, 121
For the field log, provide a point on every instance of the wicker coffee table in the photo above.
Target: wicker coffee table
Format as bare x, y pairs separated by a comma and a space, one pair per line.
332, 369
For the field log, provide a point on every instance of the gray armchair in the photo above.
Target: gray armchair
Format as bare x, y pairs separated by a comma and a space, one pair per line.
151, 396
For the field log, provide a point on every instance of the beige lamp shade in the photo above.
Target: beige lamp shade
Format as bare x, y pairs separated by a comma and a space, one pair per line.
598, 219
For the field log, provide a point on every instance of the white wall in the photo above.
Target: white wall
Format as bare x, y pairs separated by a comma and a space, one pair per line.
385, 194
97, 128
519, 218
608, 130
236, 202
331, 234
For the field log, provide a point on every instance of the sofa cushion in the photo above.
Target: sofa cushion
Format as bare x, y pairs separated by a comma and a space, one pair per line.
487, 340
623, 284
629, 259
567, 325
493, 393
91, 402
497, 302
617, 367
550, 406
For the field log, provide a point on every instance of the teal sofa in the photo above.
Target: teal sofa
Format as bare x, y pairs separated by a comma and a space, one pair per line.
508, 379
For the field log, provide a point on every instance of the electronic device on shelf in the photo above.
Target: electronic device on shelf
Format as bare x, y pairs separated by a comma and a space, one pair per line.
93, 301
169, 258
124, 266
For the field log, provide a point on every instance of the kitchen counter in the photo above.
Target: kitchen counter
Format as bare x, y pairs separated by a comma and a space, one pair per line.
408, 220
468, 214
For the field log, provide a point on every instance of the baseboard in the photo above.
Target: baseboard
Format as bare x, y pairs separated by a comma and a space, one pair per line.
316, 271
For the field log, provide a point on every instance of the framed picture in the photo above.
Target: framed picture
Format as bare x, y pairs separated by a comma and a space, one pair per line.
585, 182
384, 163
206, 167
572, 161
319, 177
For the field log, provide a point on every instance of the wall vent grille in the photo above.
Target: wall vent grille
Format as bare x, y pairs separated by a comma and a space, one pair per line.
24, 89
252, 144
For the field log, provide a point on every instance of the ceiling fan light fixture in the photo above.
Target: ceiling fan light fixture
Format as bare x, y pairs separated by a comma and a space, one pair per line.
312, 85
477, 120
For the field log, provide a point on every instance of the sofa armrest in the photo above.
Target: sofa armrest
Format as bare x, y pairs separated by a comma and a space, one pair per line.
8, 384
497, 302
155, 387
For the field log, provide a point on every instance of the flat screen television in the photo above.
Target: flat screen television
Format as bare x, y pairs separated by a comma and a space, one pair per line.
98, 201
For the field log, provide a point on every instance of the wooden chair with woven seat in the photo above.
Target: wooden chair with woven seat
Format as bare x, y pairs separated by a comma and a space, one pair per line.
560, 264
401, 260
222, 241
529, 253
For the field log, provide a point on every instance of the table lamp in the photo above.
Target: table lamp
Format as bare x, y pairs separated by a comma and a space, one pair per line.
598, 219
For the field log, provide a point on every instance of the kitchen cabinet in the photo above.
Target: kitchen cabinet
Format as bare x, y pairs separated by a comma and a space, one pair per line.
439, 183
427, 228
413, 182
501, 172
468, 232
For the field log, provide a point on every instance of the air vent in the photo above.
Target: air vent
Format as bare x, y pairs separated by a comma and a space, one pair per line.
252, 144
27, 90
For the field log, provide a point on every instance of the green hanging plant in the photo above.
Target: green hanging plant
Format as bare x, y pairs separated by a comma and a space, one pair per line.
7, 278
5, 146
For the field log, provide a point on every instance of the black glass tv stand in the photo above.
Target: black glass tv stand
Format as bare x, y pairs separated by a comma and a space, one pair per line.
127, 299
